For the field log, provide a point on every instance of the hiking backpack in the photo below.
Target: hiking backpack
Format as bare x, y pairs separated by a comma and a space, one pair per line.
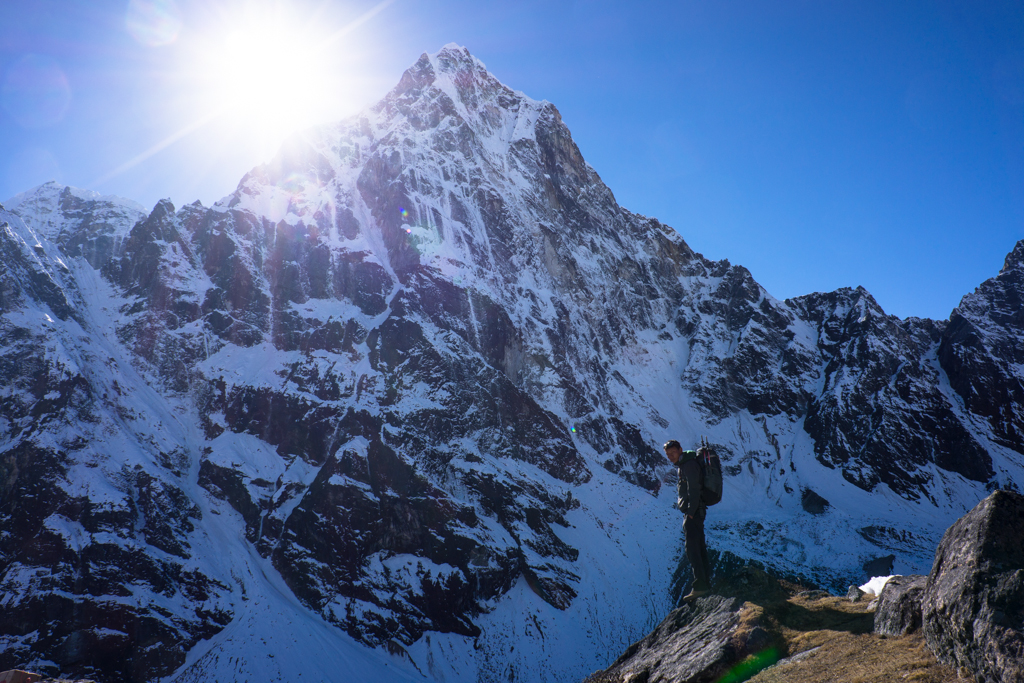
711, 468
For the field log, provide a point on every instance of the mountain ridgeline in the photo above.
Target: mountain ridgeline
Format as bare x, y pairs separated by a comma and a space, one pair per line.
404, 390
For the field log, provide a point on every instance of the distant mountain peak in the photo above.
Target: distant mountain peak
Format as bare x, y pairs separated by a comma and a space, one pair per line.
81, 222
452, 82
1015, 258
456, 58
452, 62
54, 192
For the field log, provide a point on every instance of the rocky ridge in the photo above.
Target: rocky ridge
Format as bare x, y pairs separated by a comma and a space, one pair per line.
967, 612
417, 369
759, 629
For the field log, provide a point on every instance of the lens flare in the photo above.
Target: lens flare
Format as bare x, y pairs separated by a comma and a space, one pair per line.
36, 93
750, 666
292, 183
153, 22
404, 213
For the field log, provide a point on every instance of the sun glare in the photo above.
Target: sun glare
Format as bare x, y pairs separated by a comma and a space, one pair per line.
267, 75
246, 75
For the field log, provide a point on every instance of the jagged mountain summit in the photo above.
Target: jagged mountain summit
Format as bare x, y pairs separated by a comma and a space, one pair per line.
394, 406
80, 222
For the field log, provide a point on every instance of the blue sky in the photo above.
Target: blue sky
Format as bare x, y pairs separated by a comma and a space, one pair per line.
820, 144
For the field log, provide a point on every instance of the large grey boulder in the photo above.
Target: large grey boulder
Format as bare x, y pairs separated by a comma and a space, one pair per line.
973, 603
899, 606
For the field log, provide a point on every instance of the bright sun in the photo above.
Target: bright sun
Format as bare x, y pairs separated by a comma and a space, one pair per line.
267, 75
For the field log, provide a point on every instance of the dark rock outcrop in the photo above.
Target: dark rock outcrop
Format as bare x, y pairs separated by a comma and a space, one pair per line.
899, 606
880, 566
973, 603
813, 503
694, 643
702, 640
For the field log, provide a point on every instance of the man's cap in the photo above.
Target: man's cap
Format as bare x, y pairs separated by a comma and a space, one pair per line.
673, 444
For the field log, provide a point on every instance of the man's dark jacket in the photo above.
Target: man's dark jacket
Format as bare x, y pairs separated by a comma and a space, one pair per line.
690, 483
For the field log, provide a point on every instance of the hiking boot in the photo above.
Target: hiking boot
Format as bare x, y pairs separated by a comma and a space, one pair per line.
693, 595
696, 591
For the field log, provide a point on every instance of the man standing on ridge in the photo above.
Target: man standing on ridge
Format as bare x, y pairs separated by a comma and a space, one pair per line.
690, 503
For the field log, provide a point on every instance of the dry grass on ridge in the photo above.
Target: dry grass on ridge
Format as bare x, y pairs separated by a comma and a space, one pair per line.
848, 651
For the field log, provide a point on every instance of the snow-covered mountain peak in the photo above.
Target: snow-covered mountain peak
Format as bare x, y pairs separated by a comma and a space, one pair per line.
82, 222
453, 69
452, 88
53, 196
421, 160
163, 210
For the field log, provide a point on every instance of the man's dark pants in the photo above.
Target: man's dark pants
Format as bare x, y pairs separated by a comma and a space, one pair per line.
697, 549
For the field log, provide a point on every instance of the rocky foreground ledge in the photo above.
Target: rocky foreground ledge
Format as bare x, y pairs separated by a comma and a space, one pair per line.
965, 620
19, 676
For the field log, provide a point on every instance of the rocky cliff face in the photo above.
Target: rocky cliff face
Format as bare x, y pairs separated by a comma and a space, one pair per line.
972, 606
99, 525
407, 384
